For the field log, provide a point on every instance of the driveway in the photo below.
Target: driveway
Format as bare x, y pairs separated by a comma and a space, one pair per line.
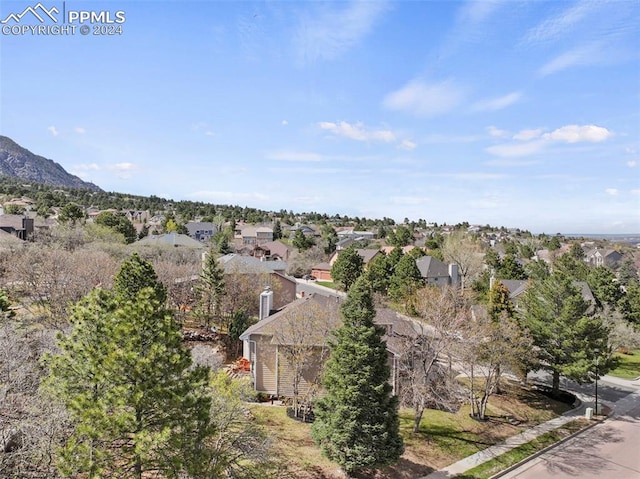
306, 287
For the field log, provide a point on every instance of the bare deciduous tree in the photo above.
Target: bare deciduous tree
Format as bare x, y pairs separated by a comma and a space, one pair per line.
47, 280
491, 348
301, 335
426, 358
32, 424
463, 250
239, 448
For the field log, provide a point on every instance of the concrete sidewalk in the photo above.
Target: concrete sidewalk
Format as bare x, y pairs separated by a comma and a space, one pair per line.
494, 451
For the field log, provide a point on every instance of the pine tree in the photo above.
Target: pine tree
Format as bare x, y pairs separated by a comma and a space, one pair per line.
605, 287
277, 230
348, 267
136, 274
406, 279
211, 288
301, 241
511, 269
357, 422
378, 273
564, 330
126, 378
499, 302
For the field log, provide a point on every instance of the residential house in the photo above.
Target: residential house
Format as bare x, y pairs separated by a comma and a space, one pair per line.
201, 231
137, 216
602, 257
366, 254
170, 239
17, 225
434, 271
306, 230
309, 321
344, 243
322, 271
272, 251
272, 273
24, 202
348, 232
156, 220
517, 287
405, 249
256, 235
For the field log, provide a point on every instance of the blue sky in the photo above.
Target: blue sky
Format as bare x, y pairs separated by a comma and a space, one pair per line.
518, 114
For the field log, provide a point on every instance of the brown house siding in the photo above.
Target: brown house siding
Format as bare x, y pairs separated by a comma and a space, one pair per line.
310, 378
284, 290
265, 366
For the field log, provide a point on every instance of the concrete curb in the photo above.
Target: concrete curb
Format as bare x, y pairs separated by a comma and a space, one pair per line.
548, 448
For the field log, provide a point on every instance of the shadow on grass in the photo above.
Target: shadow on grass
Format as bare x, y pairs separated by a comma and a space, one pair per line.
403, 469
446, 435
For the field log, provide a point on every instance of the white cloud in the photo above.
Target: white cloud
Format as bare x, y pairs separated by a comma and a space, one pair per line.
505, 162
496, 132
632, 163
472, 176
532, 141
284, 123
410, 200
291, 155
83, 170
477, 11
486, 203
226, 196
499, 103
635, 192
423, 99
124, 170
204, 128
327, 34
357, 131
560, 24
527, 135
439, 138
612, 191
87, 167
54, 131
80, 130
579, 133
407, 145
582, 56
510, 150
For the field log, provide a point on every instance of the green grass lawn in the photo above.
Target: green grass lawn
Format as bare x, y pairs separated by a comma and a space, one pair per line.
328, 284
443, 438
508, 459
629, 367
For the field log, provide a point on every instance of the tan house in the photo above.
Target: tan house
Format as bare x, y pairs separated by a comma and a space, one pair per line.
256, 235
263, 273
308, 322
322, 271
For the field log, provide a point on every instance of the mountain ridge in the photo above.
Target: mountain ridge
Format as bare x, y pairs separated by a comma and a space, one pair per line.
18, 162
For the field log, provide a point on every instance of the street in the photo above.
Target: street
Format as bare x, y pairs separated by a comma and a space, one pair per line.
608, 450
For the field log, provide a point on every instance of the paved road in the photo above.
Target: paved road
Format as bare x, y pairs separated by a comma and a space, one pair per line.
305, 288
610, 450
608, 390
